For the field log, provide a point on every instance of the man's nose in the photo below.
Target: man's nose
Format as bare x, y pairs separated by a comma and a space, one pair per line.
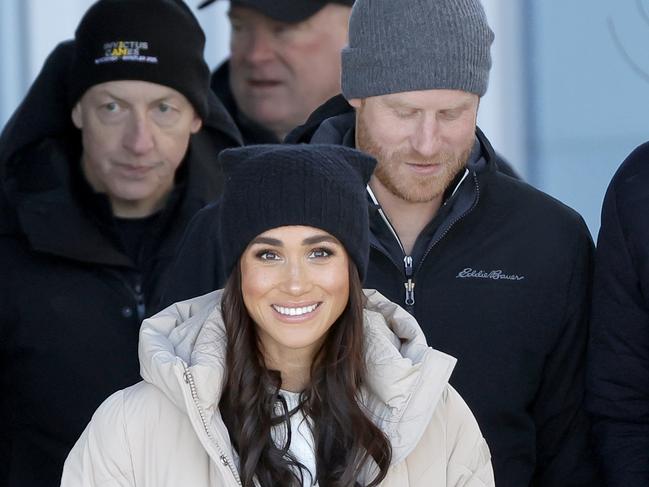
139, 137
260, 46
425, 139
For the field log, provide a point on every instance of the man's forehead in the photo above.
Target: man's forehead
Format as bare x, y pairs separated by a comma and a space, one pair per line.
427, 98
135, 91
289, 11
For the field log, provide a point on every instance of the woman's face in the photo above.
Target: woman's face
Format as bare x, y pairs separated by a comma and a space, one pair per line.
295, 284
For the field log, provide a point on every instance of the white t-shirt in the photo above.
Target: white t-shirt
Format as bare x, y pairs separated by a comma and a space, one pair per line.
302, 446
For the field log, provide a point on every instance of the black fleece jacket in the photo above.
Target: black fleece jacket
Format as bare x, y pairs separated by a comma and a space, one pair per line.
500, 279
618, 359
72, 296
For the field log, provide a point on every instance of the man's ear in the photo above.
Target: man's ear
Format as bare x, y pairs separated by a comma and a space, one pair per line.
355, 102
77, 119
197, 124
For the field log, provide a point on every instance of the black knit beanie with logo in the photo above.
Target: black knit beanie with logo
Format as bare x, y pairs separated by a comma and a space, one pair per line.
270, 186
159, 41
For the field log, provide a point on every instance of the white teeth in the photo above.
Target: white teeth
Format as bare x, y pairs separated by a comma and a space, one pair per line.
294, 311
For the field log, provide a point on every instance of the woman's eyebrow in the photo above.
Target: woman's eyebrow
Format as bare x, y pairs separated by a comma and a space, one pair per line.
267, 241
319, 239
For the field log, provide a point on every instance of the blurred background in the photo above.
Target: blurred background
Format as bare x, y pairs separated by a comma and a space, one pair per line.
567, 101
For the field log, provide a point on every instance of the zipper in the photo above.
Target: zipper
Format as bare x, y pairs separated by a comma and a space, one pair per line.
135, 291
189, 380
409, 284
139, 298
448, 228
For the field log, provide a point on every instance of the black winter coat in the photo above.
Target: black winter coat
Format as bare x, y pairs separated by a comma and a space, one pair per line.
501, 280
618, 365
71, 300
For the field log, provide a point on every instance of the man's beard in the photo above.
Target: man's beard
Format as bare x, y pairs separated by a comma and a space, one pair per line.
403, 183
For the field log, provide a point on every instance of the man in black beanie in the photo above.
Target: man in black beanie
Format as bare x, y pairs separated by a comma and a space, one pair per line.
497, 273
103, 164
284, 62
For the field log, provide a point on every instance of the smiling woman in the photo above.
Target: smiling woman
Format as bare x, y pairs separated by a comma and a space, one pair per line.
295, 284
292, 375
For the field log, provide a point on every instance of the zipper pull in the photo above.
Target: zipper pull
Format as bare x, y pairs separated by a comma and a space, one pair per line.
409, 285
407, 264
410, 292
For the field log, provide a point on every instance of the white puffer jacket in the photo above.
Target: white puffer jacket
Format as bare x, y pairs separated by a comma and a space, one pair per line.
167, 431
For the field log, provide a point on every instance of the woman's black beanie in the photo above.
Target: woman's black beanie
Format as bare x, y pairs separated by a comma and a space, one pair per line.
159, 41
270, 186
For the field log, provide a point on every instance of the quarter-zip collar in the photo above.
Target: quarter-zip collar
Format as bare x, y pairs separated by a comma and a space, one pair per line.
334, 122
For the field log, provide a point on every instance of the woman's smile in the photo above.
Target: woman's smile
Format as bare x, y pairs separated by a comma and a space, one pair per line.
296, 313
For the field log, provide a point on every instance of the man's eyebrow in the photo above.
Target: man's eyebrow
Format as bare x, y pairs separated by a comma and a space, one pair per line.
460, 106
398, 104
107, 92
164, 98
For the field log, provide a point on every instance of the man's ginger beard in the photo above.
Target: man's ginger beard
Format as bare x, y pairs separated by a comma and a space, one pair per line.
398, 179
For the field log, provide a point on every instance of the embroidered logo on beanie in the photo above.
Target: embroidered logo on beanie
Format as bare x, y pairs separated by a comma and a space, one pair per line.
126, 51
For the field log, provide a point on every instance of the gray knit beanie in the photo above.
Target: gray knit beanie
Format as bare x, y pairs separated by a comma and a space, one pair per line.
410, 45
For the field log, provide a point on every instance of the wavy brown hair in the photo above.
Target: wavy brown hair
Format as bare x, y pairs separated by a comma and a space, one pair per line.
345, 438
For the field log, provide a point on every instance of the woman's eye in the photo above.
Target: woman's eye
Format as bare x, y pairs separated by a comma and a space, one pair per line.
320, 253
268, 255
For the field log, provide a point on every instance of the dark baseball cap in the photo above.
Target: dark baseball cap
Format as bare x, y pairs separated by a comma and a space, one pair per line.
284, 10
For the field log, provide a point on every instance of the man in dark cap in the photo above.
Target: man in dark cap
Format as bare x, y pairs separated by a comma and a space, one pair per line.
108, 157
284, 63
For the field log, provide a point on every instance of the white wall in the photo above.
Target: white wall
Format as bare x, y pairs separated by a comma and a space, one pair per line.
502, 114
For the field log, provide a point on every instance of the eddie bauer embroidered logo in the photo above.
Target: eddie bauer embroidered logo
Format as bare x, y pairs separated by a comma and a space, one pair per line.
126, 51
469, 273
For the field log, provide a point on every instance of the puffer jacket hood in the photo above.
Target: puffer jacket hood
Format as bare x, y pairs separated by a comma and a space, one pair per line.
406, 378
